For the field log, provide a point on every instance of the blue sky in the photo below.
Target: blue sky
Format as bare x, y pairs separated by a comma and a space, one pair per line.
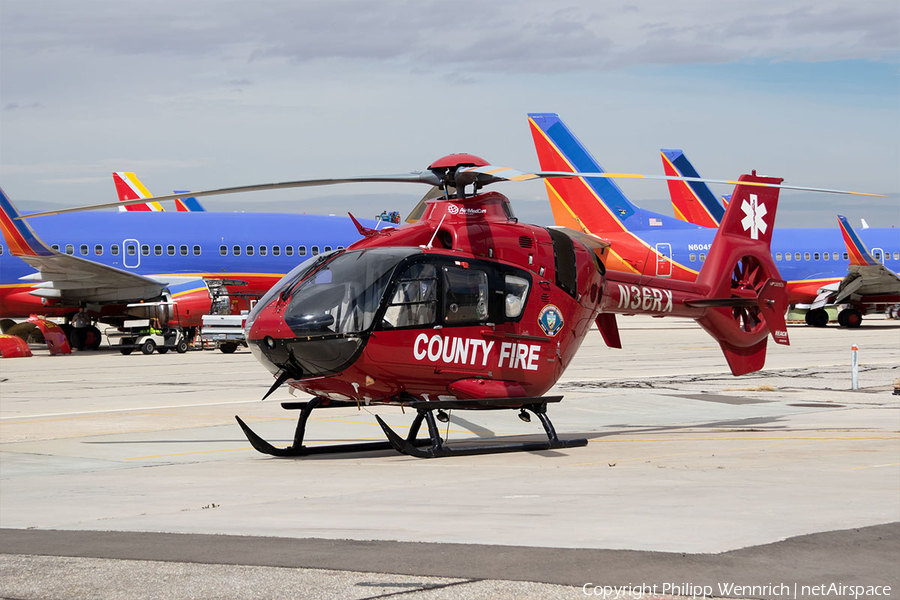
208, 94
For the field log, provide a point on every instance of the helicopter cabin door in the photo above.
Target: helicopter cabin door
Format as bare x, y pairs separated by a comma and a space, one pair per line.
664, 259
434, 321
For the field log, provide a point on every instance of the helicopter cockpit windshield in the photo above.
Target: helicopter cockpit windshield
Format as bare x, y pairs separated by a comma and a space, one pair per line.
286, 283
332, 305
342, 295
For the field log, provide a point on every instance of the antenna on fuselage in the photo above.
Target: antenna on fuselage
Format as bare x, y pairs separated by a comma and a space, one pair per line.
433, 235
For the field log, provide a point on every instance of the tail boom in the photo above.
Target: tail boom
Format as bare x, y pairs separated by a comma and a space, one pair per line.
739, 297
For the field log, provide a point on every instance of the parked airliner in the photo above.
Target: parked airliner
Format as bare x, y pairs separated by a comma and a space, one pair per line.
657, 245
189, 262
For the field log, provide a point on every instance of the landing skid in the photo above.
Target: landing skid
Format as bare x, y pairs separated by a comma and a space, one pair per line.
426, 409
298, 449
431, 447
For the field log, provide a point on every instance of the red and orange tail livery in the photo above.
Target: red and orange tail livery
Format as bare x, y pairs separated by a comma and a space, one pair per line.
692, 201
129, 187
19, 236
859, 254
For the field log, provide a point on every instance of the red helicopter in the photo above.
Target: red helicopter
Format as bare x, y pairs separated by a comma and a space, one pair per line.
467, 308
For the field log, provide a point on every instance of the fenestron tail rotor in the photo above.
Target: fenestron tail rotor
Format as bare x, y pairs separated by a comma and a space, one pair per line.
747, 280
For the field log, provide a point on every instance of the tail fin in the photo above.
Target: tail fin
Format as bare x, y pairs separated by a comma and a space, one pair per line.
129, 187
187, 204
20, 238
740, 266
692, 200
859, 254
583, 204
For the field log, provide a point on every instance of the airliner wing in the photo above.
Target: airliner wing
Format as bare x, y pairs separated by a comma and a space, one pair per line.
66, 277
73, 279
867, 278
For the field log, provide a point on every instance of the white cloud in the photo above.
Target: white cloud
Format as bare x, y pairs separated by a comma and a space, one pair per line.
208, 94
505, 35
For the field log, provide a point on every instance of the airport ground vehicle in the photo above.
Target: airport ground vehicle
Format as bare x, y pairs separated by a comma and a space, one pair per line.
225, 331
148, 337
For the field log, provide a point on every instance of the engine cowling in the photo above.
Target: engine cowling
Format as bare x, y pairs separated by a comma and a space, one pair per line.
191, 301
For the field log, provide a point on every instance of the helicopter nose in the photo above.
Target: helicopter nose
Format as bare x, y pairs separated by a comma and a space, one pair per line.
268, 322
264, 338
282, 350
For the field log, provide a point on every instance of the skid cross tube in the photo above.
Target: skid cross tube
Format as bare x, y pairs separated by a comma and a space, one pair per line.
298, 449
425, 409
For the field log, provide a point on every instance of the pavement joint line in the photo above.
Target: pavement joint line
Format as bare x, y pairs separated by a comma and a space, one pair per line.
423, 588
118, 410
81, 436
188, 453
875, 466
138, 414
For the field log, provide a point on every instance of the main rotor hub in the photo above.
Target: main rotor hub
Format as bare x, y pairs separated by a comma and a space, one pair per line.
458, 160
446, 167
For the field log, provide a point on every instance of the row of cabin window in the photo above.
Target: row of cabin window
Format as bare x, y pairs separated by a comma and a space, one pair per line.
877, 255
301, 251
131, 250
815, 256
276, 250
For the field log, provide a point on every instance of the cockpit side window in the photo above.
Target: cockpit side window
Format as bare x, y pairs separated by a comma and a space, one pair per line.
465, 295
516, 294
414, 302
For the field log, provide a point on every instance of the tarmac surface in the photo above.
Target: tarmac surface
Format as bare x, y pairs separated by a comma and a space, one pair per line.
127, 476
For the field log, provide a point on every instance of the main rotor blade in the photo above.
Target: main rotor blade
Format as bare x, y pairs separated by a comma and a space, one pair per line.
425, 177
484, 175
419, 209
492, 174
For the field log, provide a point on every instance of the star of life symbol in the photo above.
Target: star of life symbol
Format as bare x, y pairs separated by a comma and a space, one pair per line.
754, 220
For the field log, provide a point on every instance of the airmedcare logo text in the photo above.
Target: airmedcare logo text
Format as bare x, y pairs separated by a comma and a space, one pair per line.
454, 209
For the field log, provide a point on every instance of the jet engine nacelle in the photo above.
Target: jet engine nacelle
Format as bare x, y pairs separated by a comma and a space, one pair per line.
188, 303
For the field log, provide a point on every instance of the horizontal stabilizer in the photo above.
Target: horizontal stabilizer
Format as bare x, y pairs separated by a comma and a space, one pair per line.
717, 302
